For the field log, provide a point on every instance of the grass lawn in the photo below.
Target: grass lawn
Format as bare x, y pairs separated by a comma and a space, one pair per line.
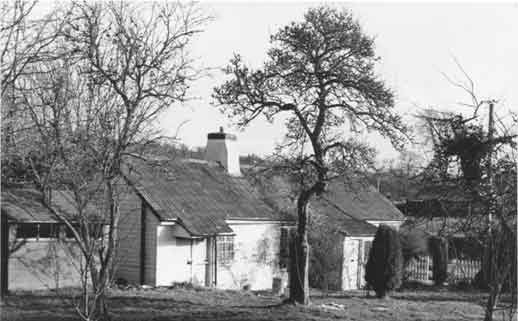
207, 304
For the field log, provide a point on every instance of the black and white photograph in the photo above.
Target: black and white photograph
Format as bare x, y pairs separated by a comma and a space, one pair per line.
258, 160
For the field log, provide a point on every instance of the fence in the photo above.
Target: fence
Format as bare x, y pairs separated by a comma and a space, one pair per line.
463, 270
458, 270
419, 269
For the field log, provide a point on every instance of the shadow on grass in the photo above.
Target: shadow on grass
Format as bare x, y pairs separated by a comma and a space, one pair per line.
37, 301
267, 306
50, 307
438, 297
143, 302
336, 296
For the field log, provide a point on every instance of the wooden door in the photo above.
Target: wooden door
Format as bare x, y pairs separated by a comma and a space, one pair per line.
173, 259
199, 261
350, 279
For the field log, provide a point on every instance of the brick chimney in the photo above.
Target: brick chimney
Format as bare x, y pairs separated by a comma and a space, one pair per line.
222, 148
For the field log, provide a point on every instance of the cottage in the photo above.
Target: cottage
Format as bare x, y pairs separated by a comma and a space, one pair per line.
195, 221
356, 212
201, 222
182, 221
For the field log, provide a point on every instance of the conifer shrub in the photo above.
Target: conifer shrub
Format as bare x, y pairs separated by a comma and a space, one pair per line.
384, 268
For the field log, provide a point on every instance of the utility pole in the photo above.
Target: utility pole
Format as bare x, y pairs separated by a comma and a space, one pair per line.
490, 257
490, 134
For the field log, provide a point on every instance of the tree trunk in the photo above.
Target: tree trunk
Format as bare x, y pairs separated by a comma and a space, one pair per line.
299, 271
490, 305
99, 306
381, 294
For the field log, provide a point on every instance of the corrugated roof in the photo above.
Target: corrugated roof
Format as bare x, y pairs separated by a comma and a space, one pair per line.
198, 194
25, 205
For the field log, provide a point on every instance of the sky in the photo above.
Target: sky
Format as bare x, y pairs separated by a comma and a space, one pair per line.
416, 43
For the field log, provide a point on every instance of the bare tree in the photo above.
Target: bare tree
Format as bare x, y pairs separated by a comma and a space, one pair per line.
483, 163
320, 75
120, 65
27, 39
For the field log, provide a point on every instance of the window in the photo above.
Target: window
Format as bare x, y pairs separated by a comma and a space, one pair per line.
36, 230
27, 231
47, 230
284, 248
68, 232
225, 248
53, 230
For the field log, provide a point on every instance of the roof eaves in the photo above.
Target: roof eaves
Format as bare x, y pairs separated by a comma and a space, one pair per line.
340, 209
259, 219
345, 233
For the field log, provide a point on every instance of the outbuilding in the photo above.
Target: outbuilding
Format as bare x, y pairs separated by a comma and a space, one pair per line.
38, 252
356, 212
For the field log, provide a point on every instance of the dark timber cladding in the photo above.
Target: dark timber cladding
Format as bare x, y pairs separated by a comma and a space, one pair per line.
4, 249
142, 243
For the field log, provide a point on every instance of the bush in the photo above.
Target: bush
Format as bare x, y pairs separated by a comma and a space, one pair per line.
385, 265
326, 254
414, 243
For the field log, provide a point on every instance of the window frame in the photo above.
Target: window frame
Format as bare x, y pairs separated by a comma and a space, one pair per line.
284, 247
56, 231
225, 249
53, 234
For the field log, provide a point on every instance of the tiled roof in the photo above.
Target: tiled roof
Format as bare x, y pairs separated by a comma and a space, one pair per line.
348, 208
200, 195
25, 205
362, 202
341, 220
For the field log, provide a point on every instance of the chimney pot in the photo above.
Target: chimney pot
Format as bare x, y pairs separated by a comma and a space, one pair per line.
221, 129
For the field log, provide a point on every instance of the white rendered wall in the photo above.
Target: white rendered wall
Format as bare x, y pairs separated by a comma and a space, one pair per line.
256, 260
